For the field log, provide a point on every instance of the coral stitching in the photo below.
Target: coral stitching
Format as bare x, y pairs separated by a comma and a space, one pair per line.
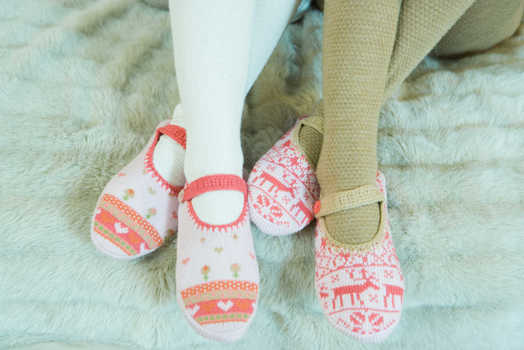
220, 285
133, 216
111, 237
220, 228
150, 167
215, 183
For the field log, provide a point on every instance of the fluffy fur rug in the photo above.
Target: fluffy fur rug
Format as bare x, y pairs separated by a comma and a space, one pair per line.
82, 85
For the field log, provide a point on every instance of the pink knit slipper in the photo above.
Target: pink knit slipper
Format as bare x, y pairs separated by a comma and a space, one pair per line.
137, 209
360, 288
217, 272
283, 187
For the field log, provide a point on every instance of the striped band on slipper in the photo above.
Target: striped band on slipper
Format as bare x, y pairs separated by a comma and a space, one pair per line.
137, 209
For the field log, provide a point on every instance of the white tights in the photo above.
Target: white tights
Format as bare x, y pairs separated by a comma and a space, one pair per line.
220, 48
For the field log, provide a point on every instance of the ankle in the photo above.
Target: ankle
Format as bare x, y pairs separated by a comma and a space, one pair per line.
354, 226
219, 207
310, 141
212, 160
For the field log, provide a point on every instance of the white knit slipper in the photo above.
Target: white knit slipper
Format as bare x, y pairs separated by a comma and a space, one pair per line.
283, 186
360, 287
137, 209
217, 275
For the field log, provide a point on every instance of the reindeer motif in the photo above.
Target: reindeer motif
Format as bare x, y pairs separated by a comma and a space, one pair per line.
323, 243
354, 290
287, 144
392, 291
323, 292
300, 207
275, 183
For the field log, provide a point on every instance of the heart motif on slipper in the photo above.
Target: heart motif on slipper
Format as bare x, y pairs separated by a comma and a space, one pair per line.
120, 229
193, 310
225, 306
222, 277
143, 249
133, 214
185, 261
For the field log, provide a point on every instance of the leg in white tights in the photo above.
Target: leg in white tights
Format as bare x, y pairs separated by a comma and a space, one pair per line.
214, 43
220, 48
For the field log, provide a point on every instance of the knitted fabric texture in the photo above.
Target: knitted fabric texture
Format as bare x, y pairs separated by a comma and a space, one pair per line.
358, 41
355, 57
137, 209
361, 291
216, 271
91, 79
282, 185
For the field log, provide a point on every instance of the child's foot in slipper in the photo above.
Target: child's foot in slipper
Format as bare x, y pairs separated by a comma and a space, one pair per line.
216, 272
137, 210
360, 286
338, 257
282, 185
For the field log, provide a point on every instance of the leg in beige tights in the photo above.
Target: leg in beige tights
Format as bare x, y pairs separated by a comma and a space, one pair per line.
421, 25
358, 42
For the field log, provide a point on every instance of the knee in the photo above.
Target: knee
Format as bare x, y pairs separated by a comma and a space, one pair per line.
484, 25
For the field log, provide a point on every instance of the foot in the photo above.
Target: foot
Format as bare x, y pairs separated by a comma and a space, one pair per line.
353, 275
217, 272
137, 210
283, 188
216, 156
169, 153
282, 185
360, 287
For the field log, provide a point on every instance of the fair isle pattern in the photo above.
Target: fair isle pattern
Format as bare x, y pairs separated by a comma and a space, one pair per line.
223, 288
361, 292
282, 189
217, 277
123, 227
126, 215
137, 210
221, 301
114, 238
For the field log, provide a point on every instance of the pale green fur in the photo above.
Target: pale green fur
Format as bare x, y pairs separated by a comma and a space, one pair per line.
83, 84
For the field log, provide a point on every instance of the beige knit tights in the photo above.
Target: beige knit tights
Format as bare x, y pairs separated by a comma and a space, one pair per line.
369, 49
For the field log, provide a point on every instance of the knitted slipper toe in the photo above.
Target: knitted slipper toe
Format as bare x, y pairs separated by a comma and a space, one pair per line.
360, 287
283, 186
137, 209
217, 274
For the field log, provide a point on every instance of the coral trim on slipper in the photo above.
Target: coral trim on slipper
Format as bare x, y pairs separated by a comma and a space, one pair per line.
177, 134
210, 183
217, 278
138, 209
360, 287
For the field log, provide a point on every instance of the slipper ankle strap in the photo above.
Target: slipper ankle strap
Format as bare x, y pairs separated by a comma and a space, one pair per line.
174, 132
210, 183
340, 201
314, 121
